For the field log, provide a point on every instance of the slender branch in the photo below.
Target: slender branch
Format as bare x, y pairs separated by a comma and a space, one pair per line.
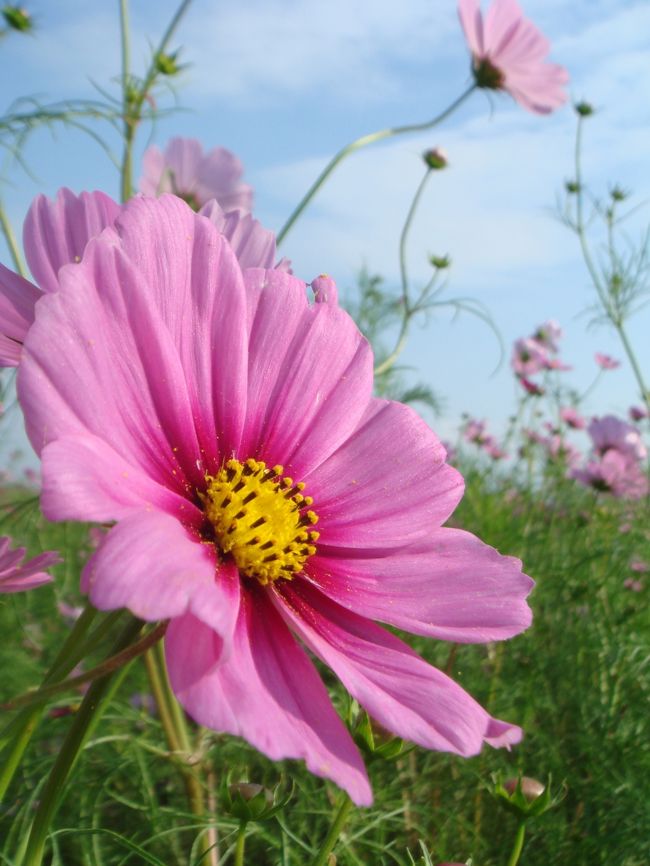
364, 141
10, 238
241, 844
344, 809
518, 844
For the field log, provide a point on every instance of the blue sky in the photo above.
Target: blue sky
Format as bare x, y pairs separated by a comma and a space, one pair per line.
285, 83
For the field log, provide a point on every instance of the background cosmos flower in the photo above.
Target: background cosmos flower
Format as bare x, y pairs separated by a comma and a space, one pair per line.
509, 53
260, 493
185, 170
18, 576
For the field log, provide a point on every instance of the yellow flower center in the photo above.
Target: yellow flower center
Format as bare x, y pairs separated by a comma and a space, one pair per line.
260, 518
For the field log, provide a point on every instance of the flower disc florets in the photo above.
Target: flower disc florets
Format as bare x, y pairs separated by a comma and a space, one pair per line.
261, 519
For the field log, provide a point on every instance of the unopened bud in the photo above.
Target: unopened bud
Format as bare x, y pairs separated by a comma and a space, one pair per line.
584, 109
440, 263
530, 788
324, 289
249, 801
618, 194
167, 64
572, 187
17, 18
435, 158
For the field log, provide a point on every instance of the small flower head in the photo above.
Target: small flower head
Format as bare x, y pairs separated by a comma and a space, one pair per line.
524, 796
637, 413
17, 18
572, 418
572, 187
529, 356
440, 263
618, 194
167, 64
548, 334
17, 575
509, 53
583, 109
435, 158
606, 362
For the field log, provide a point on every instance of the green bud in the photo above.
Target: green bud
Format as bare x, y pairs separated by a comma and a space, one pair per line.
435, 158
18, 19
524, 796
167, 64
584, 109
572, 187
440, 263
249, 801
618, 194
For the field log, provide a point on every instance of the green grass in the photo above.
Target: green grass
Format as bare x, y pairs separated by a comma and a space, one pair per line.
578, 681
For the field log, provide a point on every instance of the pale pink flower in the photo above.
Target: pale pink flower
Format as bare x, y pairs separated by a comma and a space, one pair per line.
509, 53
613, 473
639, 565
475, 431
56, 234
606, 362
632, 584
196, 177
572, 418
611, 433
548, 334
529, 357
17, 575
190, 402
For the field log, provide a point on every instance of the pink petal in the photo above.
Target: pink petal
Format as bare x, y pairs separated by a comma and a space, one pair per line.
309, 377
386, 487
17, 300
56, 232
253, 245
152, 565
267, 692
396, 687
219, 177
472, 23
450, 586
84, 478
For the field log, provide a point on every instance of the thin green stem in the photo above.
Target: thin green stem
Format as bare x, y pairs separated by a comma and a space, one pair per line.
20, 730
631, 356
95, 701
364, 141
10, 238
129, 131
518, 844
343, 811
241, 844
407, 309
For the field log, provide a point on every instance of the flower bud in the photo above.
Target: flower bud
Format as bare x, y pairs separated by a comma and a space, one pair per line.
375, 740
440, 263
167, 64
524, 796
249, 801
17, 18
584, 109
618, 194
324, 289
435, 158
530, 788
572, 187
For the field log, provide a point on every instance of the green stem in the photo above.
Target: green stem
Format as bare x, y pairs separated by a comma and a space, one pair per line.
241, 844
10, 238
407, 310
364, 141
344, 809
631, 356
129, 130
92, 707
518, 844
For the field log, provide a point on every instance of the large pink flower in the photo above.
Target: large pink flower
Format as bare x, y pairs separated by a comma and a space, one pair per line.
610, 433
18, 576
185, 170
56, 233
261, 494
509, 53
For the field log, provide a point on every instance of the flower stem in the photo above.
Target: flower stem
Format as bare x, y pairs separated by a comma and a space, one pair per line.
10, 238
241, 844
518, 844
364, 141
344, 809
92, 707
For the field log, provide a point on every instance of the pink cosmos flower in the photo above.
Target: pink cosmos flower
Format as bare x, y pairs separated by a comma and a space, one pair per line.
528, 357
509, 53
531, 387
18, 576
633, 585
260, 493
548, 334
56, 233
613, 473
185, 170
572, 418
611, 433
606, 362
475, 432
639, 565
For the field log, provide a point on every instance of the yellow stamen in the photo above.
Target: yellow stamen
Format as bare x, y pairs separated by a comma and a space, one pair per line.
259, 519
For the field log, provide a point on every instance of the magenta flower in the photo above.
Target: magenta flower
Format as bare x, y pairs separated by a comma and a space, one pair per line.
56, 233
531, 387
572, 418
613, 473
637, 413
196, 177
612, 434
606, 362
475, 431
509, 53
260, 492
529, 357
18, 576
